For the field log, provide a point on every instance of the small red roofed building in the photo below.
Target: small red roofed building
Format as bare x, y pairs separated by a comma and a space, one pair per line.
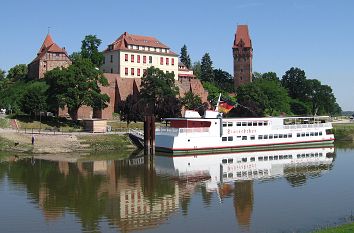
242, 53
49, 56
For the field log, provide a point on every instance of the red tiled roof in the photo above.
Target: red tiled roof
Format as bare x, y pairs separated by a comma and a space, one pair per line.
242, 35
49, 46
129, 39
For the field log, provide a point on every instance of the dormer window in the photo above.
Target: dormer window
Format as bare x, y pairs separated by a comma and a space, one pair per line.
110, 47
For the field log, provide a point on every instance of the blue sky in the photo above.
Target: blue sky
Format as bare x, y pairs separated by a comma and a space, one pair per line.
316, 35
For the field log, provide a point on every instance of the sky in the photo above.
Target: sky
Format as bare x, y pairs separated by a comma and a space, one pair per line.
314, 35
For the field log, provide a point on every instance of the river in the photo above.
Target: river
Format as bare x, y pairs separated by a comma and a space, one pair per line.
273, 191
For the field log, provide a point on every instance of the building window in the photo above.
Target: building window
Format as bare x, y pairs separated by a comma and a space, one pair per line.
138, 58
172, 61
126, 57
161, 60
138, 71
126, 71
241, 77
132, 71
167, 61
150, 59
132, 58
144, 59
144, 71
111, 58
104, 60
111, 70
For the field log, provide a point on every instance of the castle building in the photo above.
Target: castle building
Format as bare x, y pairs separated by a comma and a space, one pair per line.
130, 55
49, 56
242, 53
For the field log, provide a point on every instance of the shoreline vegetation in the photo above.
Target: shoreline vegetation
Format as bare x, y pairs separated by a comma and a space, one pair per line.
345, 228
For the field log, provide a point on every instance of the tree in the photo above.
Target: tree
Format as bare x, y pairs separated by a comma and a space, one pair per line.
130, 109
294, 80
207, 72
184, 57
89, 50
75, 86
224, 80
158, 93
191, 101
270, 76
2, 74
197, 69
18, 73
34, 100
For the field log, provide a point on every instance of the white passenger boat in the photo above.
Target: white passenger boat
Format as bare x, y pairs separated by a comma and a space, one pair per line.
213, 133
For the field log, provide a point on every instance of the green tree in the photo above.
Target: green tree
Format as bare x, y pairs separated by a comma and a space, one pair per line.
224, 80
18, 73
191, 101
158, 93
2, 74
197, 69
299, 107
270, 76
34, 100
184, 57
89, 50
294, 80
207, 72
130, 109
75, 86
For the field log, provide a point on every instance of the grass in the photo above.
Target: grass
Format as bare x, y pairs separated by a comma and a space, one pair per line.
340, 229
344, 132
106, 142
4, 123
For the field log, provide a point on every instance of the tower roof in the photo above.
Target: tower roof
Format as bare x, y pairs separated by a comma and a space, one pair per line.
243, 36
49, 46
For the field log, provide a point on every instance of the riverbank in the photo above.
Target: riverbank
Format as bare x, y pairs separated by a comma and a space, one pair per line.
13, 141
344, 131
346, 228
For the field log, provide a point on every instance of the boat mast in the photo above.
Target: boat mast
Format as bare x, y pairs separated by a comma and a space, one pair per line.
217, 104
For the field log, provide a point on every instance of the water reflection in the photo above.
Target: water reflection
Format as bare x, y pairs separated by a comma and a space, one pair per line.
139, 194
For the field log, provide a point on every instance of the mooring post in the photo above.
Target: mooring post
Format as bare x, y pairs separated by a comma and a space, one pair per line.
149, 135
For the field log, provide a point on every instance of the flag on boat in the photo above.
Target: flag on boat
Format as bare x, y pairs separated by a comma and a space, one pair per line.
225, 107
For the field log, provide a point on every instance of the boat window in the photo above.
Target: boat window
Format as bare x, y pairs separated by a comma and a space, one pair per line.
302, 134
280, 135
265, 123
230, 160
312, 134
224, 161
230, 138
244, 173
285, 136
265, 171
260, 123
253, 159
320, 134
265, 136
224, 175
298, 156
252, 137
265, 158
275, 135
316, 133
280, 157
298, 135
260, 136
275, 157
244, 160
230, 175
238, 123
238, 174
270, 136
270, 157
290, 135
254, 123
224, 139
312, 155
290, 156
307, 155
302, 155
229, 124
320, 154
244, 123
307, 134
224, 124
316, 154
249, 123
260, 158
285, 156
255, 173
260, 172
244, 137
249, 173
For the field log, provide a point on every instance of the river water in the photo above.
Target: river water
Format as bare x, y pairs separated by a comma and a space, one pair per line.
274, 191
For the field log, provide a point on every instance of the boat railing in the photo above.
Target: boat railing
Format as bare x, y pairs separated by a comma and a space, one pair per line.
304, 126
176, 131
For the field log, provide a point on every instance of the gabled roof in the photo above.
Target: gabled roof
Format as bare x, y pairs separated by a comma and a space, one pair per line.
129, 39
49, 46
242, 37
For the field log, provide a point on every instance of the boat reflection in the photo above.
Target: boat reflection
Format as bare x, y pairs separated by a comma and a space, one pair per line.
232, 175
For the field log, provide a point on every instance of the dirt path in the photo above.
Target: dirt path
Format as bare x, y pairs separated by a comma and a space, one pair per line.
47, 144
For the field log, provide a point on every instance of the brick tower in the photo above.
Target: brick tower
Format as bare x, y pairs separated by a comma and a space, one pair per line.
242, 52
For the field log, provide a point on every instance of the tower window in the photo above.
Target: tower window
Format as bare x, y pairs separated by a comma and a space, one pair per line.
241, 77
